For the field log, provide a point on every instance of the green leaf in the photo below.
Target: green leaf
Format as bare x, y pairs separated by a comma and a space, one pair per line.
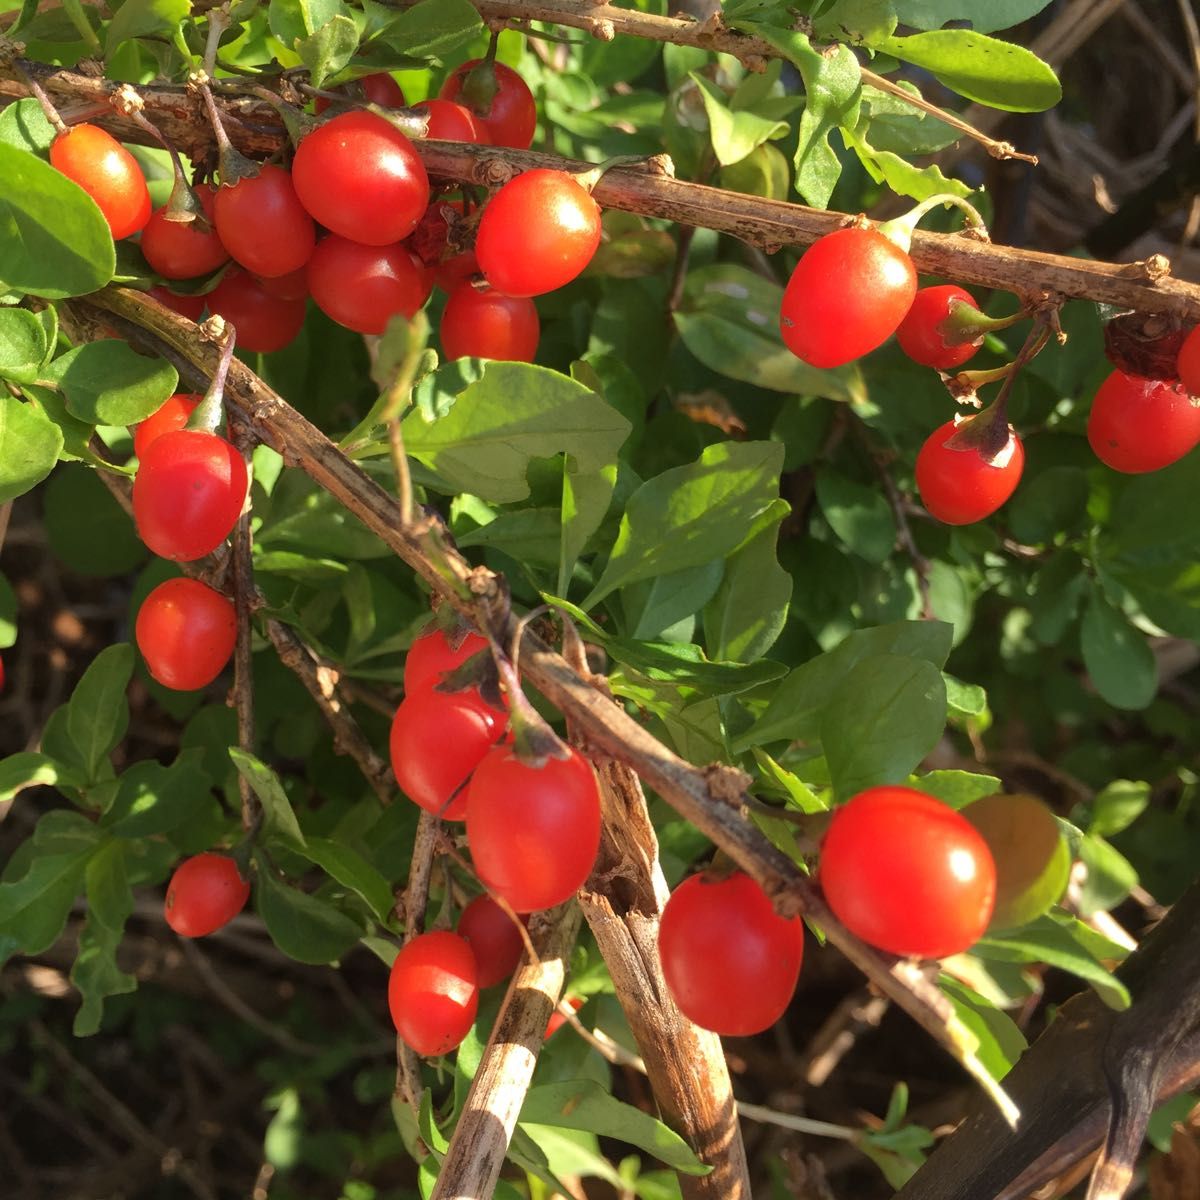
29, 446
1118, 806
1110, 876
896, 127
763, 172
97, 975
686, 666
655, 607
1050, 503
54, 241
1117, 656
692, 515
8, 614
964, 699
794, 712
900, 175
353, 871
1001, 1042
434, 28
27, 769
984, 69
278, 817
734, 134
729, 319
515, 413
304, 927
329, 49
86, 527
584, 1104
24, 125
957, 788
884, 717
136, 18
153, 799
48, 877
109, 383
98, 712
986, 16
1058, 941
860, 22
23, 345
110, 898
859, 515
749, 610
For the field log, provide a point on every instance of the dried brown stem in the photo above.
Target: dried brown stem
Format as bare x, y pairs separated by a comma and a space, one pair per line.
244, 600
255, 128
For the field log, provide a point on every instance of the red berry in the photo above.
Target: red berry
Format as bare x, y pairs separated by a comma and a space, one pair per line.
491, 934
191, 307
181, 250
962, 485
483, 323
108, 173
920, 334
431, 657
1138, 425
847, 295
433, 993
511, 117
450, 122
534, 831
188, 494
558, 1020
292, 286
730, 960
379, 88
537, 233
363, 287
205, 893
1, 673
1188, 362
264, 322
908, 874
361, 178
186, 632
172, 414
437, 740
263, 224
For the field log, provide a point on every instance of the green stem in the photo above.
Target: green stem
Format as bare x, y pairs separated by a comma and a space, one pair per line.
900, 230
218, 22
40, 96
966, 324
209, 413
232, 164
78, 17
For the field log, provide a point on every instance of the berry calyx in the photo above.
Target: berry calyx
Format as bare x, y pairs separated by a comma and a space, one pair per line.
907, 874
498, 97
533, 828
361, 178
495, 940
730, 960
1138, 425
480, 322
205, 893
182, 250
932, 333
964, 479
433, 656
172, 414
437, 739
188, 494
186, 632
848, 294
363, 287
433, 992
96, 161
263, 225
537, 233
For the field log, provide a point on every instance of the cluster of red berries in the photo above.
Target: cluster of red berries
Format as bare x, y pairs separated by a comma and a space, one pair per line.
532, 827
853, 288
359, 179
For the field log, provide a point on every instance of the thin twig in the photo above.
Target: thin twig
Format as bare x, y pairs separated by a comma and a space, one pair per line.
243, 660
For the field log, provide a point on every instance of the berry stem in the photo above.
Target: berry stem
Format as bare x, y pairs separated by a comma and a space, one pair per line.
966, 324
534, 740
398, 398
900, 230
209, 413
218, 22
589, 179
40, 96
78, 17
480, 85
232, 164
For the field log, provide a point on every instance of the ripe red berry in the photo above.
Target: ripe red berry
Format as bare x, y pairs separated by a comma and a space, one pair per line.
1, 673
450, 122
108, 173
363, 287
191, 307
730, 960
847, 295
1188, 362
558, 1020
264, 322
361, 178
431, 657
511, 117
493, 937
186, 632
179, 250
1138, 425
483, 323
379, 88
188, 494
962, 485
921, 334
292, 286
907, 874
262, 223
172, 414
205, 893
537, 233
534, 831
433, 992
437, 740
